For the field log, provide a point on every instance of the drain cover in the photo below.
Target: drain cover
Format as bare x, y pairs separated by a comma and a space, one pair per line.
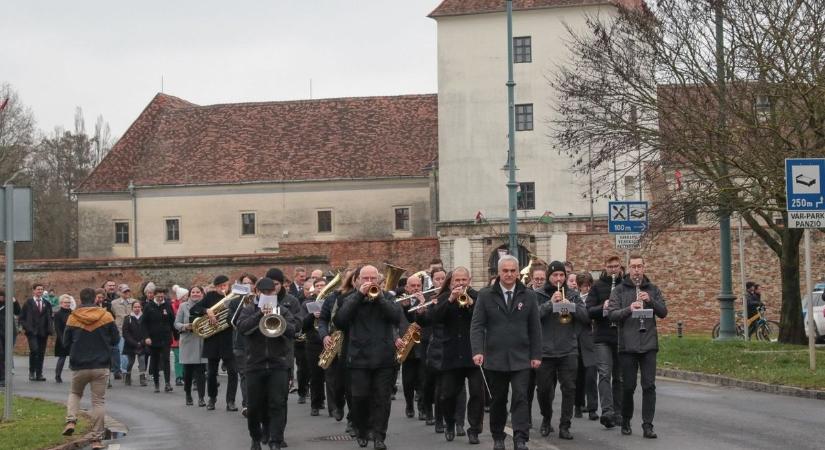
334, 437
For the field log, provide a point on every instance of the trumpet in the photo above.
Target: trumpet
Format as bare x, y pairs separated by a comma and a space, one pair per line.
464, 300
565, 317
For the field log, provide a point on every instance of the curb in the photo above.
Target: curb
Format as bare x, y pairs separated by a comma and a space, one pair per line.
111, 426
756, 386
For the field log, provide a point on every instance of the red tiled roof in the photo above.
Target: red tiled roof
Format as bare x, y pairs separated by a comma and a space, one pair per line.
462, 7
174, 142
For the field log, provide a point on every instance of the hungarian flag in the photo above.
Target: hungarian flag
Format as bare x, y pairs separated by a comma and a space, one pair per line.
4, 103
547, 217
678, 176
479, 217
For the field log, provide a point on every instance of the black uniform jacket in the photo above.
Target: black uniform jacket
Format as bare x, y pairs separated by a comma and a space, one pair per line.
454, 321
630, 339
371, 327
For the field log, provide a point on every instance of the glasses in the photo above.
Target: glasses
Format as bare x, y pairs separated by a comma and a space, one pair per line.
613, 266
637, 266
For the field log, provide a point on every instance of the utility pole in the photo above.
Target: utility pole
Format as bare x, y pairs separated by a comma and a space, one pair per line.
727, 325
511, 136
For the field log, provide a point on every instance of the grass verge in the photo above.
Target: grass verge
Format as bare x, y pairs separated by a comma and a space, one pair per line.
753, 361
37, 424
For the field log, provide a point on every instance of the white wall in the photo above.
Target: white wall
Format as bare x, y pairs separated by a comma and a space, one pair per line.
472, 114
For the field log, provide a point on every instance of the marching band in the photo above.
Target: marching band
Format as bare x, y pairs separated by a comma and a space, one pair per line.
459, 351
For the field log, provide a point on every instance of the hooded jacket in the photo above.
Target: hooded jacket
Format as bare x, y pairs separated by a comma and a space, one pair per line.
630, 339
559, 340
91, 333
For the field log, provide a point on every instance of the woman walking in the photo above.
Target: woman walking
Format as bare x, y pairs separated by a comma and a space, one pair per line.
191, 346
158, 322
61, 348
133, 344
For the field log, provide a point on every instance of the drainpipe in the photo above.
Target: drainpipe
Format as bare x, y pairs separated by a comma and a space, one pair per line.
134, 215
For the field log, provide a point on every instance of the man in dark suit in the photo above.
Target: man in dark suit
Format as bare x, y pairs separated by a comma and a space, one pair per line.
505, 334
299, 276
36, 318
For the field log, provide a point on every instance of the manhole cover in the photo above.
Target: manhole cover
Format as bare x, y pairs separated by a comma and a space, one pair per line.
334, 437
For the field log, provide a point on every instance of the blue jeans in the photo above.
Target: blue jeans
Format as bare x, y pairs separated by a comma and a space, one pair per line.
116, 364
124, 360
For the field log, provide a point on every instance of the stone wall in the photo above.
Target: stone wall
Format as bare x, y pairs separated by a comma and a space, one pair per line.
684, 263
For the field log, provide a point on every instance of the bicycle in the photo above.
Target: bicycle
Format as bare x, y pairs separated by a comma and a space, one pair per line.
758, 324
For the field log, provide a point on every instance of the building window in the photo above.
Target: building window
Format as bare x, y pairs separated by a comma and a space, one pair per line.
248, 224
691, 217
526, 196
630, 186
325, 221
172, 230
121, 232
522, 51
402, 219
524, 117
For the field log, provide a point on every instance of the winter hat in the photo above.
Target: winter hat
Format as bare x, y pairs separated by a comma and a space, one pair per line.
275, 274
150, 287
219, 280
180, 292
265, 284
556, 266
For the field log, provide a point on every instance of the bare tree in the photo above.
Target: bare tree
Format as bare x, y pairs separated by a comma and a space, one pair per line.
645, 92
17, 128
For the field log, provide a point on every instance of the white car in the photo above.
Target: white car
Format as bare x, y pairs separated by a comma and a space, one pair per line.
819, 311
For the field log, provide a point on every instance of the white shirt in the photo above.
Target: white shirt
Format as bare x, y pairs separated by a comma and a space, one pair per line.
504, 291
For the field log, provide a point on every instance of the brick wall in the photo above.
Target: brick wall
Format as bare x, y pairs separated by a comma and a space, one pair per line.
684, 263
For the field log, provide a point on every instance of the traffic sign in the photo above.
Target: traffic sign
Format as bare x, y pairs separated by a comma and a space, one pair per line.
22, 214
628, 241
627, 217
804, 193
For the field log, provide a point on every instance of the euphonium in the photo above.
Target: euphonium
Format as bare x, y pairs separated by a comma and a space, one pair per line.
464, 300
565, 317
201, 325
411, 337
328, 355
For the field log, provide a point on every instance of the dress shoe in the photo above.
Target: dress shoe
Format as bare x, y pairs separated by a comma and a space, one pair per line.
42, 378
439, 427
244, 412
274, 446
362, 442
338, 414
472, 438
380, 445
520, 445
255, 445
314, 412
201, 403
167, 388
626, 430
118, 376
68, 430
449, 433
302, 399
592, 415
189, 401
564, 433
430, 420
210, 406
350, 429
459, 430
410, 412
282, 444
58, 379
498, 445
578, 412
647, 431
546, 428
230, 406
607, 422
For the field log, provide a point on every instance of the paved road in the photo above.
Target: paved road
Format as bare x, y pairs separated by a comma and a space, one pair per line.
689, 416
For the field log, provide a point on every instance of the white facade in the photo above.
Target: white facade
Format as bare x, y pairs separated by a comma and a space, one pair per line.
210, 217
472, 115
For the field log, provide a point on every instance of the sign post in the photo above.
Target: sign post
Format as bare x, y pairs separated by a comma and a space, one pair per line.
627, 220
806, 209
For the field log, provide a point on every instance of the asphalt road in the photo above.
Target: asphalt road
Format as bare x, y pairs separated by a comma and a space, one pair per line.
688, 416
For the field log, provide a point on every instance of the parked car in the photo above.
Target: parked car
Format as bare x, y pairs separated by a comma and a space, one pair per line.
819, 311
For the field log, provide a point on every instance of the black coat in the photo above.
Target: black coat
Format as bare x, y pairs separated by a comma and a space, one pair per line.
15, 311
263, 353
559, 340
133, 336
158, 323
603, 333
454, 332
61, 348
508, 337
34, 322
630, 339
370, 327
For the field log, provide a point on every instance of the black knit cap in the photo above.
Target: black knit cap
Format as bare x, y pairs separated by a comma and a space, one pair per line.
265, 284
556, 266
220, 279
275, 274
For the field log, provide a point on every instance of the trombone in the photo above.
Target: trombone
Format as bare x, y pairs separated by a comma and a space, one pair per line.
409, 296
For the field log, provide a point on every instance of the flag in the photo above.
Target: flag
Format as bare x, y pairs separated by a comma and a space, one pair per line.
479, 217
4, 103
547, 217
678, 176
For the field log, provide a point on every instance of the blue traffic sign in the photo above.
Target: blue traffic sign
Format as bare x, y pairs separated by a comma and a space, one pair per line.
804, 193
627, 217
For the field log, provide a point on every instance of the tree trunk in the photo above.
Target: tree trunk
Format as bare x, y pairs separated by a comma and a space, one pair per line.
793, 330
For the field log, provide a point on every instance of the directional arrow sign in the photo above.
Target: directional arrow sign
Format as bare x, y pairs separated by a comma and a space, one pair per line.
627, 217
805, 194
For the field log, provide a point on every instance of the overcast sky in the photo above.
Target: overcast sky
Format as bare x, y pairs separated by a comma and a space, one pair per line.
108, 56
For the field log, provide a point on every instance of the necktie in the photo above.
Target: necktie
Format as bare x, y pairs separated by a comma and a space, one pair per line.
509, 298
39, 306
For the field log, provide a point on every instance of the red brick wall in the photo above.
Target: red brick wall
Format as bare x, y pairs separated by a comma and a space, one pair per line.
685, 265
412, 254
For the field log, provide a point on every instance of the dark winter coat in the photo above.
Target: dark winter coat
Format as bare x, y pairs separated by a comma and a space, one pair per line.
454, 331
61, 347
509, 337
371, 328
630, 339
559, 340
603, 333
263, 353
158, 323
15, 312
133, 336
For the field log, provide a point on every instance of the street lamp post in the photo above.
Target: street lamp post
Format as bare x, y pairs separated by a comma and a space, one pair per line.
511, 137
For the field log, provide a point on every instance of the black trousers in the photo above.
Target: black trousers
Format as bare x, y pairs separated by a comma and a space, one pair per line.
412, 378
58, 368
240, 367
302, 374
452, 384
371, 392
316, 377
37, 352
268, 390
212, 378
159, 359
632, 363
500, 385
561, 370
428, 398
335, 377
194, 372
587, 393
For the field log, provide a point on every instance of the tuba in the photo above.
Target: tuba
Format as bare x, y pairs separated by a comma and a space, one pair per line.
411, 337
328, 355
331, 286
201, 326
391, 276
